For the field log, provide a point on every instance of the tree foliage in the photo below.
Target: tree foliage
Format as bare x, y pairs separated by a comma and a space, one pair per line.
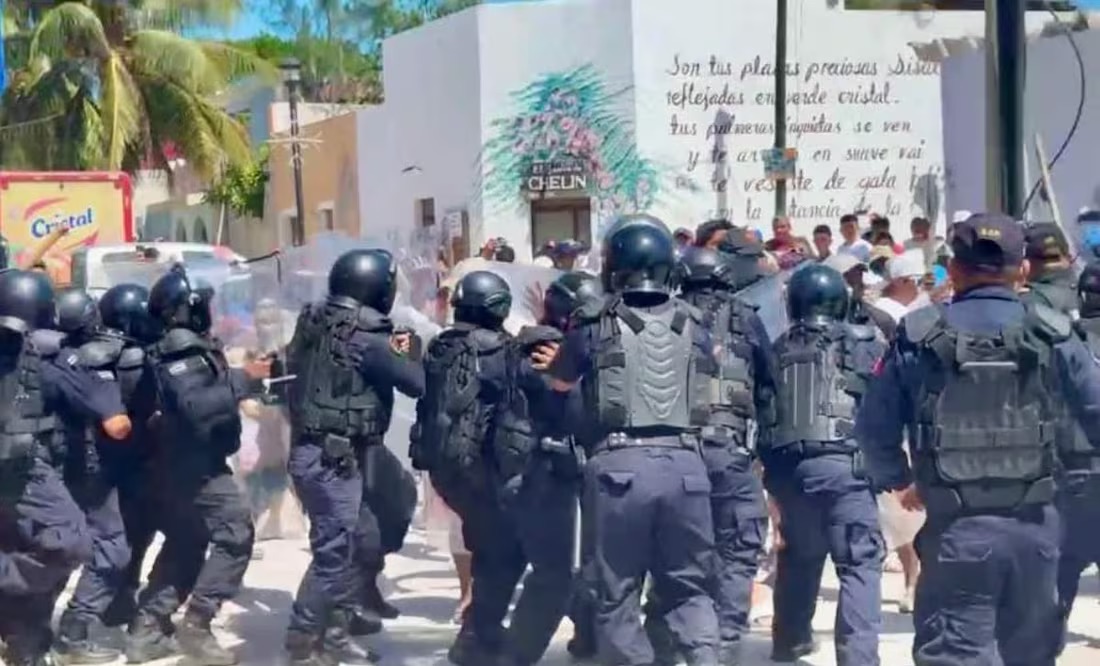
332, 72
241, 188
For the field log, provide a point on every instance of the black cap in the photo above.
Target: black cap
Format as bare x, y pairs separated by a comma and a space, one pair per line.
738, 243
988, 242
1045, 240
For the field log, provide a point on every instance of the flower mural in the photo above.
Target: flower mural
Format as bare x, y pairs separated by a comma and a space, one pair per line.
569, 116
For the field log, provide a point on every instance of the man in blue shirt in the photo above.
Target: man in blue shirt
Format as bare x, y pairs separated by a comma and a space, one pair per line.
980, 384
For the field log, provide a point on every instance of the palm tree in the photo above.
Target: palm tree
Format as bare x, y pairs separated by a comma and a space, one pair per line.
111, 84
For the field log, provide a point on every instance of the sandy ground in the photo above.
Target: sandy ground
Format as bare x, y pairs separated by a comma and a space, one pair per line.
421, 582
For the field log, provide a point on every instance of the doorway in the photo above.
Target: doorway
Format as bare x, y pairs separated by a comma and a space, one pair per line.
560, 219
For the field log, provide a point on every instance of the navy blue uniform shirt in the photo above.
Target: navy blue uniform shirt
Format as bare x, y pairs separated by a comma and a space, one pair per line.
385, 369
888, 409
68, 387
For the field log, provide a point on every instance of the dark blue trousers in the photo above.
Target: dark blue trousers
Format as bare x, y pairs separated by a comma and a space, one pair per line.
386, 510
104, 574
1079, 507
986, 593
651, 512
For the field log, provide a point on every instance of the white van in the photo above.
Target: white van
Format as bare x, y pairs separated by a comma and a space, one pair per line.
99, 267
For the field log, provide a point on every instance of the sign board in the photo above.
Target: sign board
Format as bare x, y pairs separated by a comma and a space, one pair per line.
558, 175
780, 163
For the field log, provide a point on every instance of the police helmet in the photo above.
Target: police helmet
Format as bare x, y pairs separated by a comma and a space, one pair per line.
1088, 288
124, 308
482, 298
566, 294
76, 311
703, 267
639, 257
26, 301
816, 294
174, 302
368, 277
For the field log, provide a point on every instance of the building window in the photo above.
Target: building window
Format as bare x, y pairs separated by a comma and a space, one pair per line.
328, 219
200, 234
181, 232
425, 212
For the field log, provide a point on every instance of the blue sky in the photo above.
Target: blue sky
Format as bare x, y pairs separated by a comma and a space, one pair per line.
253, 22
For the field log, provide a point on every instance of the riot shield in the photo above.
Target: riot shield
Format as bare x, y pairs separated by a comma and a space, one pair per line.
768, 296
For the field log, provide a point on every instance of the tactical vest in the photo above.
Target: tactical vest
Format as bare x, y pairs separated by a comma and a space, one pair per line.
331, 395
24, 418
1060, 297
518, 429
198, 403
99, 356
48, 344
819, 385
987, 415
1074, 450
645, 365
129, 370
730, 409
454, 418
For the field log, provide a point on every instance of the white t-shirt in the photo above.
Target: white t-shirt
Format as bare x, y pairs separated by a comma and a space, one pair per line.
859, 248
896, 310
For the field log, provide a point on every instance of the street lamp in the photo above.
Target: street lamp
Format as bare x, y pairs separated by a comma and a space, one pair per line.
291, 69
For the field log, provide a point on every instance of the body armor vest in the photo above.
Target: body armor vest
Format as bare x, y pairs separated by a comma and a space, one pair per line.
730, 398
518, 428
25, 422
48, 343
198, 403
99, 356
818, 385
1075, 452
331, 396
646, 368
987, 415
1056, 295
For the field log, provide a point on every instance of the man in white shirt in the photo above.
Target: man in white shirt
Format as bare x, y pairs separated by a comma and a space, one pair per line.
853, 245
902, 293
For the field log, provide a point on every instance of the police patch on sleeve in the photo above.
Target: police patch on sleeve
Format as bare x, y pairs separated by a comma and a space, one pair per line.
106, 374
72, 359
177, 368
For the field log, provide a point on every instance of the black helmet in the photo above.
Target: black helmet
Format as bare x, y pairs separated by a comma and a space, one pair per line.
483, 299
1088, 289
26, 301
76, 312
368, 277
639, 256
124, 309
175, 303
817, 294
703, 267
566, 294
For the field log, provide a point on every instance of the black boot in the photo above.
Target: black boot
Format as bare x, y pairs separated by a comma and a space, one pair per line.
304, 649
74, 645
372, 599
149, 638
468, 650
26, 650
788, 654
364, 621
122, 609
198, 644
338, 646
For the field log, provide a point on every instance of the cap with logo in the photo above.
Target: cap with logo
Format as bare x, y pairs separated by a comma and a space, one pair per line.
988, 242
1045, 240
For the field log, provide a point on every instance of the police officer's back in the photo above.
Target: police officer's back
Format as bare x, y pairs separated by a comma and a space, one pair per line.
980, 384
348, 362
813, 471
1051, 280
638, 358
200, 426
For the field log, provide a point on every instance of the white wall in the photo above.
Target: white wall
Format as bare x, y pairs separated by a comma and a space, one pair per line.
1051, 100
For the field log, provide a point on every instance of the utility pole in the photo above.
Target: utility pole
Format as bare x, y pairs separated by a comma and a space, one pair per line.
780, 100
1006, 66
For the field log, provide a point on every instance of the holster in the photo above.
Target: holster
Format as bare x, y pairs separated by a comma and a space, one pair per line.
338, 453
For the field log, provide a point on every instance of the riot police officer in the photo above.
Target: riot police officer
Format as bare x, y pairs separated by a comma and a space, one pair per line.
1050, 279
539, 465
812, 469
43, 534
91, 483
199, 426
466, 378
981, 385
1078, 498
742, 389
638, 358
347, 361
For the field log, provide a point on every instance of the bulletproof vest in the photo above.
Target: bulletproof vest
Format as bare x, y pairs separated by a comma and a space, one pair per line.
818, 384
48, 342
729, 398
454, 417
198, 403
518, 425
1074, 449
25, 420
99, 356
645, 368
987, 414
129, 370
1055, 294
331, 396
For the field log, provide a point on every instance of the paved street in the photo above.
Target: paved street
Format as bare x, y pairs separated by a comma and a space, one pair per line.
424, 586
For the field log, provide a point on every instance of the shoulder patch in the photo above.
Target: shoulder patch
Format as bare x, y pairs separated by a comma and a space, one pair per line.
177, 368
72, 359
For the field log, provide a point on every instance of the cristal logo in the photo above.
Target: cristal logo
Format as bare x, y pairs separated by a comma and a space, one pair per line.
42, 225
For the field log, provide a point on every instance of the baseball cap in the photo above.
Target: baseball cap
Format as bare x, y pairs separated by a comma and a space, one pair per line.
740, 244
988, 242
909, 264
842, 263
1045, 240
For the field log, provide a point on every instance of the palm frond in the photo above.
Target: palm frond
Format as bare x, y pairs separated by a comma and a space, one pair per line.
202, 68
236, 64
70, 29
180, 14
120, 110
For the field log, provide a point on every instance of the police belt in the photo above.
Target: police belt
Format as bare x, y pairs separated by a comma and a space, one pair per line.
976, 498
1081, 462
358, 441
622, 440
814, 449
